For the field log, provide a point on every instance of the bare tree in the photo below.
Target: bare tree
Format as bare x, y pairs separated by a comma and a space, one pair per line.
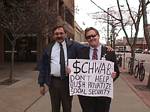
135, 23
112, 17
11, 21
133, 20
20, 18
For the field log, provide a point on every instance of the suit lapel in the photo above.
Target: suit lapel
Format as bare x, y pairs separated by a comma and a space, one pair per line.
68, 44
85, 52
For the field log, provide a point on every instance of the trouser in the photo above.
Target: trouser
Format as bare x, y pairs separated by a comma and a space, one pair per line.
94, 104
59, 94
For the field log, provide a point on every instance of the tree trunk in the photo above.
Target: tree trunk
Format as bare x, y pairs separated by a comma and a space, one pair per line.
146, 32
145, 24
132, 60
12, 64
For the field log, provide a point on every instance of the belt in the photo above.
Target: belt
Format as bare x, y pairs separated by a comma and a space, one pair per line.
54, 77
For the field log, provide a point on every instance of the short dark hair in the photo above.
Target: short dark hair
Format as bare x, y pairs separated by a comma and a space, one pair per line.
58, 26
91, 28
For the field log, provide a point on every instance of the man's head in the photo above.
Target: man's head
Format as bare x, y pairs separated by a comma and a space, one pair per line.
92, 36
59, 33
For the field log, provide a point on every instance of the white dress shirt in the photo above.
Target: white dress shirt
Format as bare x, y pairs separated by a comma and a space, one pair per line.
55, 58
98, 52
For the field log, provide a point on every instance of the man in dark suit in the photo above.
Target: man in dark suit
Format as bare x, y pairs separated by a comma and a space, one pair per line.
52, 69
96, 51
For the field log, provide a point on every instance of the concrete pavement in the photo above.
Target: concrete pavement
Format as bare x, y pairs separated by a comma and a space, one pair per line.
126, 100
23, 96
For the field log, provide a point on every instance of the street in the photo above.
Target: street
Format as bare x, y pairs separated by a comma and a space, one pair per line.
138, 56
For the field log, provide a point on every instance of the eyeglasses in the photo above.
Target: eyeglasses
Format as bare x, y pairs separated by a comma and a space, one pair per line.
59, 33
91, 36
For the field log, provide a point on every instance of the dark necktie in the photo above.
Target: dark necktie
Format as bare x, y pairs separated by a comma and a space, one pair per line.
62, 61
94, 56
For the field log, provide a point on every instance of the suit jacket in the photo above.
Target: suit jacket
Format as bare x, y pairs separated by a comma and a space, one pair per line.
109, 55
44, 65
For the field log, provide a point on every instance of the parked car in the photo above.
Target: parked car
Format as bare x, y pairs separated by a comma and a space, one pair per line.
138, 50
146, 51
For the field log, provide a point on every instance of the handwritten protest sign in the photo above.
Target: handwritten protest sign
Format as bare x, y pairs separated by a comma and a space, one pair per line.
91, 77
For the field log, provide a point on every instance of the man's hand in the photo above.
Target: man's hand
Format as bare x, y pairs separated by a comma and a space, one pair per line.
109, 48
42, 90
113, 75
68, 70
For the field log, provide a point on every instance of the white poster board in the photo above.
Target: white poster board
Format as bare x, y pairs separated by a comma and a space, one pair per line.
91, 77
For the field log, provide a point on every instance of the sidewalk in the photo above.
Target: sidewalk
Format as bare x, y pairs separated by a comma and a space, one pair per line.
125, 99
23, 96
18, 96
140, 88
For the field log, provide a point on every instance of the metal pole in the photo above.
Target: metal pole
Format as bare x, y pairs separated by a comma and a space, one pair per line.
112, 36
107, 26
124, 57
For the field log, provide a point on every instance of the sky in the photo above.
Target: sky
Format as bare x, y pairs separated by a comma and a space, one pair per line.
84, 19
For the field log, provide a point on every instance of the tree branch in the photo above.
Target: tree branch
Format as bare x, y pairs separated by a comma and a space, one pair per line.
122, 24
105, 11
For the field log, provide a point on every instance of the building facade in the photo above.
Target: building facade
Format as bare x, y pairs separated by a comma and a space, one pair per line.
47, 14
79, 33
121, 43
